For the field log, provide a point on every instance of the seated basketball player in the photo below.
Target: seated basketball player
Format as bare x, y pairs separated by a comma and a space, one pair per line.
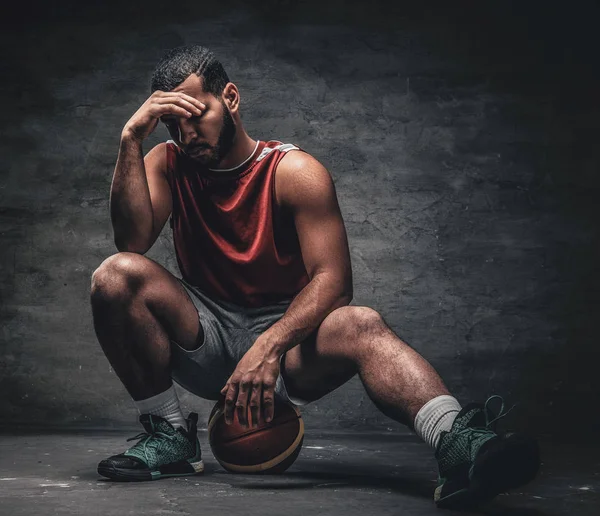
262, 309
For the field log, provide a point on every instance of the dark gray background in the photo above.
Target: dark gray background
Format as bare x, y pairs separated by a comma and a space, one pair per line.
463, 141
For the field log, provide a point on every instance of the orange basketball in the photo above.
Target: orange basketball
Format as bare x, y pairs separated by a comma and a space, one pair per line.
267, 448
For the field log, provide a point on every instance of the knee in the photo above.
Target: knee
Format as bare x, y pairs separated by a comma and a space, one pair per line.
350, 322
118, 277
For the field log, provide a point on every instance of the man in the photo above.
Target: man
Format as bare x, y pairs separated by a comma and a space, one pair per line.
262, 308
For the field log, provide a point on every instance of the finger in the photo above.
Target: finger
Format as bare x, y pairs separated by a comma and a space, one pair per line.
241, 405
226, 387
230, 399
188, 98
194, 101
182, 102
268, 401
170, 109
255, 402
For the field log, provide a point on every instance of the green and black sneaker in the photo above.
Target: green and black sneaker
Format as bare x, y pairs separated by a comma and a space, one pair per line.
161, 451
476, 463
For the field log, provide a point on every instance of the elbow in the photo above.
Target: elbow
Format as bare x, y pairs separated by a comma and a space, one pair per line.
341, 290
348, 290
345, 297
125, 246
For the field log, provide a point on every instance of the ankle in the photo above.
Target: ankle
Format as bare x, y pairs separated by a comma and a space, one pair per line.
435, 417
165, 405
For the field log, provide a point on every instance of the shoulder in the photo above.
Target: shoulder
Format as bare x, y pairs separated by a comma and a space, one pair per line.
159, 151
301, 179
163, 156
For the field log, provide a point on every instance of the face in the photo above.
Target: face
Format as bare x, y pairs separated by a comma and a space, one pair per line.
206, 138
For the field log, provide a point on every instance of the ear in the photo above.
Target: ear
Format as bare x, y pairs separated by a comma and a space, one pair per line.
231, 97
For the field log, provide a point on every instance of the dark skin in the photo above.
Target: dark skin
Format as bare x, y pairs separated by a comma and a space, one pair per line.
325, 341
305, 188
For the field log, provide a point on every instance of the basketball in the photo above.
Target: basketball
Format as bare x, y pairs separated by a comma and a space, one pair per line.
267, 448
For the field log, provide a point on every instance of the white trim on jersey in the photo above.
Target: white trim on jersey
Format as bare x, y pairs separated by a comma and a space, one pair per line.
237, 166
284, 147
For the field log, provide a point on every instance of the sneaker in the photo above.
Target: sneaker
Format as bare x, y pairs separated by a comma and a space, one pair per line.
476, 463
161, 451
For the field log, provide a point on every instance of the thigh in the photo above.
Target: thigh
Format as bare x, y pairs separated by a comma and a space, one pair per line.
134, 276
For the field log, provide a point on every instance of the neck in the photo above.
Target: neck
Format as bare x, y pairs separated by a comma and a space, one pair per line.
242, 148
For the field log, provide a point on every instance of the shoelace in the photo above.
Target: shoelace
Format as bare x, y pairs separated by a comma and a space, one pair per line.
477, 433
501, 412
144, 437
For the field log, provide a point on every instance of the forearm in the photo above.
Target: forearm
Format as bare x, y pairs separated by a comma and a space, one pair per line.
130, 206
323, 294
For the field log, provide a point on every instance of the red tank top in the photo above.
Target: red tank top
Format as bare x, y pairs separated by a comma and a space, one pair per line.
231, 240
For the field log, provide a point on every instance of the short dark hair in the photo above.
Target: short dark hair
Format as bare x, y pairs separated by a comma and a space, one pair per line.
179, 63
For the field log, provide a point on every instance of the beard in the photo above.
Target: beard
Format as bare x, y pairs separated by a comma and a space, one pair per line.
214, 154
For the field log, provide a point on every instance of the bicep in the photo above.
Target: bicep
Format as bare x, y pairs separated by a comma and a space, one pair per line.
155, 163
310, 193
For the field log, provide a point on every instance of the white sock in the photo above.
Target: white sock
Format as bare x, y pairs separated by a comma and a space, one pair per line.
165, 405
435, 416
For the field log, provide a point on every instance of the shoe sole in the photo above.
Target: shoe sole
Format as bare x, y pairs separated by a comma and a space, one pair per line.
182, 469
512, 462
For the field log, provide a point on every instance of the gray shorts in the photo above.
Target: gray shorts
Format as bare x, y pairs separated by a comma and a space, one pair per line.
229, 331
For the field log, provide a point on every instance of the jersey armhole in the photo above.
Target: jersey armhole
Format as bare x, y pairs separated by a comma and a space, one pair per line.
172, 153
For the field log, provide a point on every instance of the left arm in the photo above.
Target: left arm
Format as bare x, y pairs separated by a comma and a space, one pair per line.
306, 189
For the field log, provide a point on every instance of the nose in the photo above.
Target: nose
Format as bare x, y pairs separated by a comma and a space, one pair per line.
187, 131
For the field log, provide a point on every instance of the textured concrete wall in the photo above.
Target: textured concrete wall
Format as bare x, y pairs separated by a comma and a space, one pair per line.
466, 174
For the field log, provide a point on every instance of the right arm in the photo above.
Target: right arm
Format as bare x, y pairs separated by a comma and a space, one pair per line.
140, 197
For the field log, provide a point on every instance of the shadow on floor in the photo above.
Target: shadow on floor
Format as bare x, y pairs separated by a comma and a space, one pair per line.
411, 486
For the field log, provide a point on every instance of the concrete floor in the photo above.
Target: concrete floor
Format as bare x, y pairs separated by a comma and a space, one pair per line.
336, 473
